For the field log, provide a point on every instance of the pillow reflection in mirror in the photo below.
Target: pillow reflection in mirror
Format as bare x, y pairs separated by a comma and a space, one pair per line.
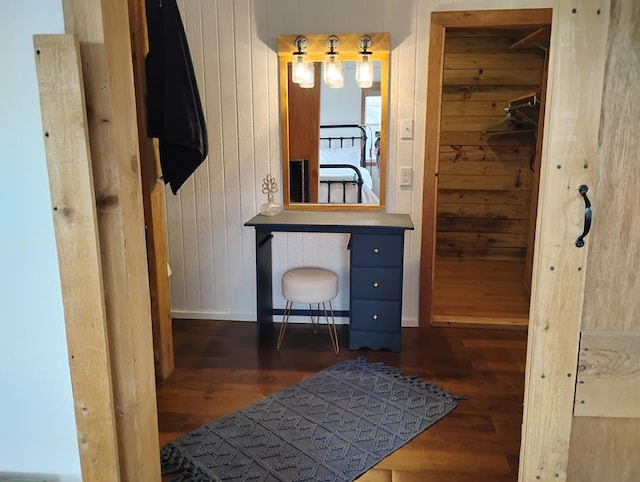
340, 155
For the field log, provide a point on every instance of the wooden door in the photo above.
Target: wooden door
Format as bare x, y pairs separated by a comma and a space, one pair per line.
582, 398
605, 433
304, 128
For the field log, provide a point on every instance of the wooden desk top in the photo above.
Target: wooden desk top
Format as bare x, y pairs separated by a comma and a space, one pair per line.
322, 221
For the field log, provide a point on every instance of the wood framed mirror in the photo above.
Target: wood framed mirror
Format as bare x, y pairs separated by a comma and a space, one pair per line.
334, 139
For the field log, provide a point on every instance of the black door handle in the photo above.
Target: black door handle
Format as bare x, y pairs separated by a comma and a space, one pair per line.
587, 215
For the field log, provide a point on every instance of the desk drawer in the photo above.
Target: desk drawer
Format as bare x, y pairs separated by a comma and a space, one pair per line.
375, 315
376, 250
376, 284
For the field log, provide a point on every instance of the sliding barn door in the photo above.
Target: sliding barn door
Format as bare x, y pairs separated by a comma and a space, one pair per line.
605, 438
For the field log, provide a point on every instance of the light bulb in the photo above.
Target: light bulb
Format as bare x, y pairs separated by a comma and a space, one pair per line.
299, 72
333, 71
364, 71
309, 76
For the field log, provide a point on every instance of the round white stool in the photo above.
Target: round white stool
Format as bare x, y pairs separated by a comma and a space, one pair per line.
310, 285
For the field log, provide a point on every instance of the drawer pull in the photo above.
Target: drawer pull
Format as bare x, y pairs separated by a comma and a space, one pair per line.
375, 317
376, 250
375, 284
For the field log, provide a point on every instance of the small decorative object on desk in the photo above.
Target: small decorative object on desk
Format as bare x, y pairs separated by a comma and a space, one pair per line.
270, 187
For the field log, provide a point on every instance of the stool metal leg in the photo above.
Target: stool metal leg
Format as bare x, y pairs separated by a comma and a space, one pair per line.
333, 333
314, 321
283, 327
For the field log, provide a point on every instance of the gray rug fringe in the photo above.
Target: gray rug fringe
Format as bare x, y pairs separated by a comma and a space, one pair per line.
172, 461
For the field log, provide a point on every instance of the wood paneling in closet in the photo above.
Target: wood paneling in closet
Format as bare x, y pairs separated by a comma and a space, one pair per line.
484, 181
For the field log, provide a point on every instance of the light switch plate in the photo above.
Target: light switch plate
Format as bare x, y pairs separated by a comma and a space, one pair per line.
406, 128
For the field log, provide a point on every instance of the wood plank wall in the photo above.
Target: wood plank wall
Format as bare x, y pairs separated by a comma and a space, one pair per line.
484, 181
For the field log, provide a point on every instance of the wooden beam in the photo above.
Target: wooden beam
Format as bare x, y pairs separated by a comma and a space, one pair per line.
431, 156
493, 18
75, 222
608, 375
153, 201
574, 94
102, 27
535, 188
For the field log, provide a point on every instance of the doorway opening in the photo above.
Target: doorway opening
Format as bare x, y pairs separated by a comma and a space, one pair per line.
486, 94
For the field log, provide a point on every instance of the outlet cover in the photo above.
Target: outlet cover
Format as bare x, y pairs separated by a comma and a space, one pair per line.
405, 176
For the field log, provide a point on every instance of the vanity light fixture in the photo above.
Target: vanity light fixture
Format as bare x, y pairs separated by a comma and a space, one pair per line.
303, 71
332, 66
364, 68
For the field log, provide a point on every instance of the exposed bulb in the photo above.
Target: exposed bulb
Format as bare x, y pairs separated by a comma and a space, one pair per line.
308, 76
333, 71
299, 69
364, 72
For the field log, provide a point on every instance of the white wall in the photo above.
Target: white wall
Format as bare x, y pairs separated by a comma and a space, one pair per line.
37, 427
343, 105
233, 46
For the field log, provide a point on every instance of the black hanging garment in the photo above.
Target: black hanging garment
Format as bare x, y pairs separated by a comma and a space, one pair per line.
174, 111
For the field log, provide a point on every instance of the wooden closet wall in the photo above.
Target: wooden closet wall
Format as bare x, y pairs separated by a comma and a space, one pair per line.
485, 181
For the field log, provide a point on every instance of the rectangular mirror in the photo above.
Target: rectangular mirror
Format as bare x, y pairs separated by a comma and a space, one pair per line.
334, 138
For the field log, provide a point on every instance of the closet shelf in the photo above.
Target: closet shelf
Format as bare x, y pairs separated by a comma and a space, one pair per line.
538, 38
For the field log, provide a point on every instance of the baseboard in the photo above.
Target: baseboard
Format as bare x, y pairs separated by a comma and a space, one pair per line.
4, 477
504, 323
207, 315
210, 315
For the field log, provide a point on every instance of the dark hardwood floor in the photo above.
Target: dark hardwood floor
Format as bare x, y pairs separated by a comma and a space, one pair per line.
220, 369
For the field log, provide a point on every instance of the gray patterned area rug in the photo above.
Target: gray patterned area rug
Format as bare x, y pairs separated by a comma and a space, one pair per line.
334, 425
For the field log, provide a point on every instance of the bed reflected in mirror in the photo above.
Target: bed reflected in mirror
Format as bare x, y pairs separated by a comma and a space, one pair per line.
349, 171
333, 139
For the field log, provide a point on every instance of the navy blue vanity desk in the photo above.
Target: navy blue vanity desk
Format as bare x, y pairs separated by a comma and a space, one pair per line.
377, 250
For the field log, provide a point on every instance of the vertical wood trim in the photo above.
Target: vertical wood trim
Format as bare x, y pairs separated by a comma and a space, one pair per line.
535, 186
75, 221
430, 183
284, 131
153, 201
384, 131
576, 72
102, 27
